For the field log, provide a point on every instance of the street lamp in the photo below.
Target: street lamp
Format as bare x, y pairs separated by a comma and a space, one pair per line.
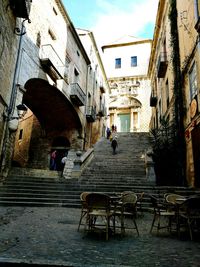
21, 110
13, 120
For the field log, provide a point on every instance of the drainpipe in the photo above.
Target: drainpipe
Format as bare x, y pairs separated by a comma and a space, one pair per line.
86, 103
14, 87
196, 9
10, 110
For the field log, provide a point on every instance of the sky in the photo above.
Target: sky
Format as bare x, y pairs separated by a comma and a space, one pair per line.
109, 20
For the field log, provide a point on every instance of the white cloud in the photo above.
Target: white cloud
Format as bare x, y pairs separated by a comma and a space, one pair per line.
113, 22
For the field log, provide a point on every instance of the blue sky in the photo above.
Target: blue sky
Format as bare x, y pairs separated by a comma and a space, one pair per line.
111, 19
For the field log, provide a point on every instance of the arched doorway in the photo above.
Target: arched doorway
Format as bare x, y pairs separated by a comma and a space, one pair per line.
51, 121
124, 113
61, 145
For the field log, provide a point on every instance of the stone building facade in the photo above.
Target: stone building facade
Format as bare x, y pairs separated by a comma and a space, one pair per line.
97, 90
52, 76
126, 63
164, 77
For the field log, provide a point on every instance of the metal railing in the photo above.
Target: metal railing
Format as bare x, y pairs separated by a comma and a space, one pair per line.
48, 52
162, 58
91, 111
77, 91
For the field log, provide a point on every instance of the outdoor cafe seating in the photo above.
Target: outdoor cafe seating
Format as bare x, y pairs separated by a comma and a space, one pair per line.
162, 217
181, 211
103, 213
126, 212
188, 213
110, 213
83, 208
99, 213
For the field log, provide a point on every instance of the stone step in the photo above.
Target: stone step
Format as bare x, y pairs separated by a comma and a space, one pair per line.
107, 173
16, 171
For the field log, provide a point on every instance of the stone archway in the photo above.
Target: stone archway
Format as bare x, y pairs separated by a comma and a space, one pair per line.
50, 117
124, 113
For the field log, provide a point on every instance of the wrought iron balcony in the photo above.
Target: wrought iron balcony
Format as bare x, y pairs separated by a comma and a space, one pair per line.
21, 8
77, 95
102, 110
51, 62
153, 101
162, 65
90, 114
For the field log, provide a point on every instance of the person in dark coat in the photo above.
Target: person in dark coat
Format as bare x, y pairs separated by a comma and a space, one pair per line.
108, 132
114, 145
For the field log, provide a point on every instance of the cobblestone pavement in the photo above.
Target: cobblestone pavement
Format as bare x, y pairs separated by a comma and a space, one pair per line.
49, 236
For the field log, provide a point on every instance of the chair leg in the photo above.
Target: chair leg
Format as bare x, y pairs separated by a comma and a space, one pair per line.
153, 222
122, 225
107, 228
190, 229
136, 226
80, 221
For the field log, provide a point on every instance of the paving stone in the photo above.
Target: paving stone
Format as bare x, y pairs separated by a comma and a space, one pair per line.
49, 236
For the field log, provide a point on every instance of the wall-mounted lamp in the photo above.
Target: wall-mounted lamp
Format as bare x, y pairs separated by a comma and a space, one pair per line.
14, 120
21, 111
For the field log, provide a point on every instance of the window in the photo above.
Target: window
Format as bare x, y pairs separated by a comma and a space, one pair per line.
117, 63
20, 134
55, 12
76, 76
38, 40
52, 34
167, 93
160, 110
193, 81
133, 61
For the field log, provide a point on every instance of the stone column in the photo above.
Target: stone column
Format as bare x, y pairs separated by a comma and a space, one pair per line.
131, 122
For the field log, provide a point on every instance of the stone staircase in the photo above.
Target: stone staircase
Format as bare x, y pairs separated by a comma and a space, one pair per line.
106, 173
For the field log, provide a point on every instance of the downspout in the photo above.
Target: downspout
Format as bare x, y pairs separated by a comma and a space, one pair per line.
86, 104
14, 87
10, 110
196, 10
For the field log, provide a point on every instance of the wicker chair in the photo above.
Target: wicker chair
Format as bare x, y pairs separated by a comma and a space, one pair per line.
189, 215
126, 211
160, 211
99, 212
84, 208
172, 198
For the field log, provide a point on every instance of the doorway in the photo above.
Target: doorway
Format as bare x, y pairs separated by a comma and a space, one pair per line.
196, 154
61, 145
124, 123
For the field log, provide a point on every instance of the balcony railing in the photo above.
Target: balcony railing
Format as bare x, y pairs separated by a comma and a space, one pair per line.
91, 114
51, 62
162, 65
77, 95
102, 110
21, 8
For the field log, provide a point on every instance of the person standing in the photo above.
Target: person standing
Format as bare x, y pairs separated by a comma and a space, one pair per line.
63, 162
53, 160
108, 132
